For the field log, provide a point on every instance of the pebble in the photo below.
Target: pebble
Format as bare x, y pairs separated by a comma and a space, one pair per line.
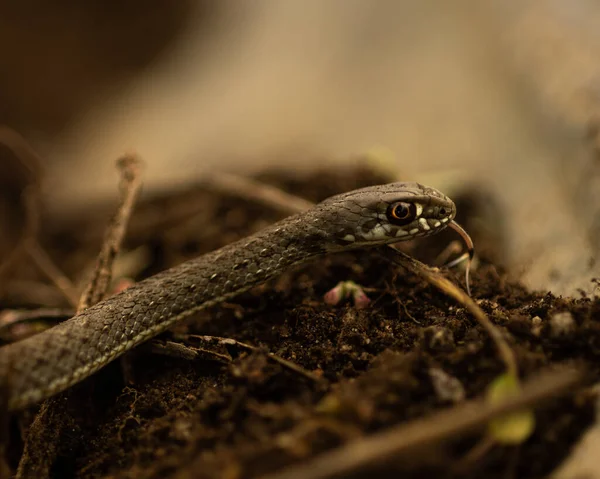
446, 387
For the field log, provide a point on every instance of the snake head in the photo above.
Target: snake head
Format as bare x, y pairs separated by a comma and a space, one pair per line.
386, 214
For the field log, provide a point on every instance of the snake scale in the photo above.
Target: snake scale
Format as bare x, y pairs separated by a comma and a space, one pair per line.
47, 363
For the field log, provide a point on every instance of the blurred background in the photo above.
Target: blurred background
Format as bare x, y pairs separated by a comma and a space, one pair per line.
497, 98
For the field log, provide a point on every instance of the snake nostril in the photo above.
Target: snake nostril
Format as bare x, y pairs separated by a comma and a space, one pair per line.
443, 211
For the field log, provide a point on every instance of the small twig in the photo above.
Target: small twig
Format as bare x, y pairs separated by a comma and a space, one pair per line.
233, 342
421, 433
21, 149
434, 277
179, 206
37, 293
262, 193
474, 455
412, 318
129, 166
32, 164
12, 317
54, 274
181, 351
30, 196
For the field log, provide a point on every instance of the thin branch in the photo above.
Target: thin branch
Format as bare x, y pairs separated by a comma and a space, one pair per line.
408, 438
129, 166
434, 277
32, 292
174, 349
30, 195
11, 317
52, 272
262, 193
248, 347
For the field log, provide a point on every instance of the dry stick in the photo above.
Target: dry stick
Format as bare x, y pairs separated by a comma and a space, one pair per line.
262, 193
407, 438
434, 277
30, 196
183, 351
186, 204
9, 318
52, 272
30, 246
130, 168
21, 149
31, 199
193, 353
234, 342
33, 292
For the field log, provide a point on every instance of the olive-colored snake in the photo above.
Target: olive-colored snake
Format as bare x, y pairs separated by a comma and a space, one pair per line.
45, 364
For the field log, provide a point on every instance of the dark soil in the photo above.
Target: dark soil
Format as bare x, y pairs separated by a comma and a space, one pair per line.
153, 416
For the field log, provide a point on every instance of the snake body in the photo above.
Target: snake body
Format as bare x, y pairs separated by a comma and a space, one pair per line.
50, 362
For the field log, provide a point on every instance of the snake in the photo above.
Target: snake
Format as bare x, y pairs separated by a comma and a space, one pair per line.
43, 365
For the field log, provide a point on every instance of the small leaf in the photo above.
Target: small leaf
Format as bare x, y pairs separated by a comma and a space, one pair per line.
514, 427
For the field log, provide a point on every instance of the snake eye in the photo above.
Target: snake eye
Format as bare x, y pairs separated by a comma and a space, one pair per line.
402, 213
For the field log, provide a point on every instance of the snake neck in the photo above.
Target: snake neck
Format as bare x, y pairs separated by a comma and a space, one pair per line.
244, 264
169, 296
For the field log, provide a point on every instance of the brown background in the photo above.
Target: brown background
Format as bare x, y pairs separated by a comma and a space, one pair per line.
502, 96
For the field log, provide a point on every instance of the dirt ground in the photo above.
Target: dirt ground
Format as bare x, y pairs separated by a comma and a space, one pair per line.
237, 413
